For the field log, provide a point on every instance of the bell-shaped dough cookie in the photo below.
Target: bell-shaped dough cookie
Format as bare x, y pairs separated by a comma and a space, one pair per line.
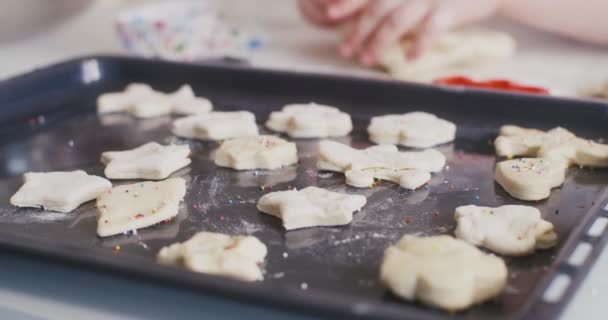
443, 272
262, 152
59, 191
311, 207
144, 102
385, 162
310, 121
511, 230
413, 129
138, 205
217, 126
237, 257
149, 161
530, 178
557, 144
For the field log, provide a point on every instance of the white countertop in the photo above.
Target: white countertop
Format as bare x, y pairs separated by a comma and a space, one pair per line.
546, 60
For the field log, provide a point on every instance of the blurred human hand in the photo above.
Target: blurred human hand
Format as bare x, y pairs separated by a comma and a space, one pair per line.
380, 24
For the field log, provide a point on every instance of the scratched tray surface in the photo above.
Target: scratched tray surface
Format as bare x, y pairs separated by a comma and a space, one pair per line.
64, 133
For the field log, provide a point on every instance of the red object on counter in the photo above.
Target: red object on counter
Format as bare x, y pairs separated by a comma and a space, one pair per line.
496, 84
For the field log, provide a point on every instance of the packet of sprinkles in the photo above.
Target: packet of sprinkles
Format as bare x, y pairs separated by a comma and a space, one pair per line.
186, 31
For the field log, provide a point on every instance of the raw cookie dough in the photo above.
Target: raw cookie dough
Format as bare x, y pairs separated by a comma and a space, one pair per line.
59, 191
217, 126
262, 152
597, 90
310, 121
510, 230
311, 207
237, 257
557, 144
413, 129
409, 169
443, 272
149, 161
144, 102
138, 205
530, 178
454, 49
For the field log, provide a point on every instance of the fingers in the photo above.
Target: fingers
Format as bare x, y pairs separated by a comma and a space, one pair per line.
433, 25
313, 11
344, 9
402, 21
330, 12
369, 20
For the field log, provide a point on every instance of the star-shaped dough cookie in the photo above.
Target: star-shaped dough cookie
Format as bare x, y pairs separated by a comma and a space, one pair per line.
237, 257
530, 179
557, 144
149, 161
510, 230
310, 121
144, 102
217, 126
409, 169
138, 205
443, 272
262, 152
59, 191
413, 129
311, 207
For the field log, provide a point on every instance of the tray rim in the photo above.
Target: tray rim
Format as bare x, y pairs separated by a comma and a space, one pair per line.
301, 301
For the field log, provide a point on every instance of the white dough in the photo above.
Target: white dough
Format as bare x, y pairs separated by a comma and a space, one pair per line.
557, 144
217, 126
530, 179
443, 272
413, 129
467, 48
311, 207
138, 205
149, 161
511, 230
237, 257
144, 102
310, 121
409, 169
59, 191
261, 152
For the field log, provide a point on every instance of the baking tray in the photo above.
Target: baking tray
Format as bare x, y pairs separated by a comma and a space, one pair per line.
48, 122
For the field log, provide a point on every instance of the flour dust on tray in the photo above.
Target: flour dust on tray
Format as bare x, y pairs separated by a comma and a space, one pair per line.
148, 161
142, 101
217, 126
443, 272
413, 129
237, 257
410, 170
262, 152
510, 230
138, 205
59, 191
311, 207
310, 121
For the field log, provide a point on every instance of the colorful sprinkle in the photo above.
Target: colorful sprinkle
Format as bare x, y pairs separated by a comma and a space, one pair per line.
116, 249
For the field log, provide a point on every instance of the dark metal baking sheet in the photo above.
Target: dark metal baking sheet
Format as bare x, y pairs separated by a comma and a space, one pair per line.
48, 122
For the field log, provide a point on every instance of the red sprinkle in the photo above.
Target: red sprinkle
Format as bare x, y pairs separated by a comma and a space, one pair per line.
436, 213
408, 220
221, 218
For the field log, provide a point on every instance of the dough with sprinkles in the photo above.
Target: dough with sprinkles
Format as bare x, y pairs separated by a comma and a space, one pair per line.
410, 170
217, 126
138, 205
557, 144
261, 152
442, 272
530, 179
413, 129
510, 230
311, 207
59, 191
150, 161
310, 121
236, 257
142, 101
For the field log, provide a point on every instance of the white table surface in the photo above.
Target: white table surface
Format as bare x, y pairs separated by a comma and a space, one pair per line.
33, 289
